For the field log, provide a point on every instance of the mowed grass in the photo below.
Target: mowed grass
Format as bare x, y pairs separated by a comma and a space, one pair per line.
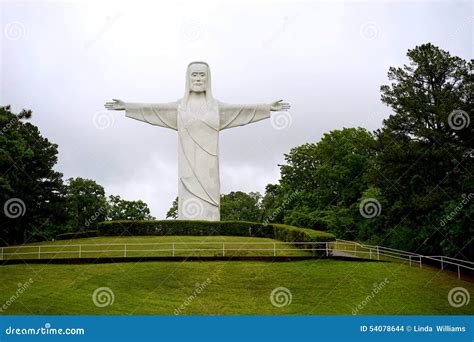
141, 246
317, 287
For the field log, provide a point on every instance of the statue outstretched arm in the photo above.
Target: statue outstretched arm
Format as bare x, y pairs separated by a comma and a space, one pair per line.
238, 115
158, 114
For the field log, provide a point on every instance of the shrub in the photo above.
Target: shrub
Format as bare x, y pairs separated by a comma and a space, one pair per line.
77, 235
213, 228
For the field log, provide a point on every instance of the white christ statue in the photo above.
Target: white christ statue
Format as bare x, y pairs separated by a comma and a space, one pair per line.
198, 118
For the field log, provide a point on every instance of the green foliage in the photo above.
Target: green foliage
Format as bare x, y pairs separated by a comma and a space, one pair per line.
240, 206
423, 164
212, 228
321, 181
417, 166
77, 235
87, 204
173, 211
26, 173
120, 209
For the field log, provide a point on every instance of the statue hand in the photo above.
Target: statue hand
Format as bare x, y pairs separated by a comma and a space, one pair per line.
279, 106
116, 105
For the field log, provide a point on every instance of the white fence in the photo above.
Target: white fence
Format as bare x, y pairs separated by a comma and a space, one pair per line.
168, 248
228, 248
377, 252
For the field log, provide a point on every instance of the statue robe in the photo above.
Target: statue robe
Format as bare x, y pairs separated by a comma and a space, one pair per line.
198, 148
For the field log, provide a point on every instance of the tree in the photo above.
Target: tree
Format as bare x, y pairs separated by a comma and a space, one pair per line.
31, 192
425, 148
326, 177
120, 209
240, 206
173, 211
87, 204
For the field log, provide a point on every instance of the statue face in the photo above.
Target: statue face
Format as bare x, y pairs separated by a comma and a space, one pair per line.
198, 75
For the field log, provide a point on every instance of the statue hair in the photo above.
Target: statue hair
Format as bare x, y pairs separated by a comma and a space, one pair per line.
209, 99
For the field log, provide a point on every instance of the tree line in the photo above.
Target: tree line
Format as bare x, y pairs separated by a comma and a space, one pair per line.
407, 185
37, 203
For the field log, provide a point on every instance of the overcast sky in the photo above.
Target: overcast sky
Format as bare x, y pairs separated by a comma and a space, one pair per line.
64, 60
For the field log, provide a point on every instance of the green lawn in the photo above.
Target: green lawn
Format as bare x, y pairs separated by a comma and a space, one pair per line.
139, 246
317, 287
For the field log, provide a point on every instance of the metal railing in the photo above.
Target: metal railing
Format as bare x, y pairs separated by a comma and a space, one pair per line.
168, 248
229, 248
376, 252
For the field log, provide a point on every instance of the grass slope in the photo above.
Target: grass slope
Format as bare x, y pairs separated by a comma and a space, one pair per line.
318, 287
154, 246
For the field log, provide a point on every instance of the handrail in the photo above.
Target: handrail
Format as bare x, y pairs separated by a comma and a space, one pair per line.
365, 251
167, 243
124, 248
398, 254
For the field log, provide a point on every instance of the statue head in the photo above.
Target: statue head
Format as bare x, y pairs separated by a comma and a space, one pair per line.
198, 78
198, 73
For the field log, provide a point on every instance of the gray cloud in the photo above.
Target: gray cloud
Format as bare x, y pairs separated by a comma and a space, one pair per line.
327, 59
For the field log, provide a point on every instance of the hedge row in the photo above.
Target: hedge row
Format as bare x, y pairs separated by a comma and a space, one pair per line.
210, 228
77, 235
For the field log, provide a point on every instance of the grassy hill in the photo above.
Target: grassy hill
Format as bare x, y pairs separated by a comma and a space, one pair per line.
317, 287
141, 246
